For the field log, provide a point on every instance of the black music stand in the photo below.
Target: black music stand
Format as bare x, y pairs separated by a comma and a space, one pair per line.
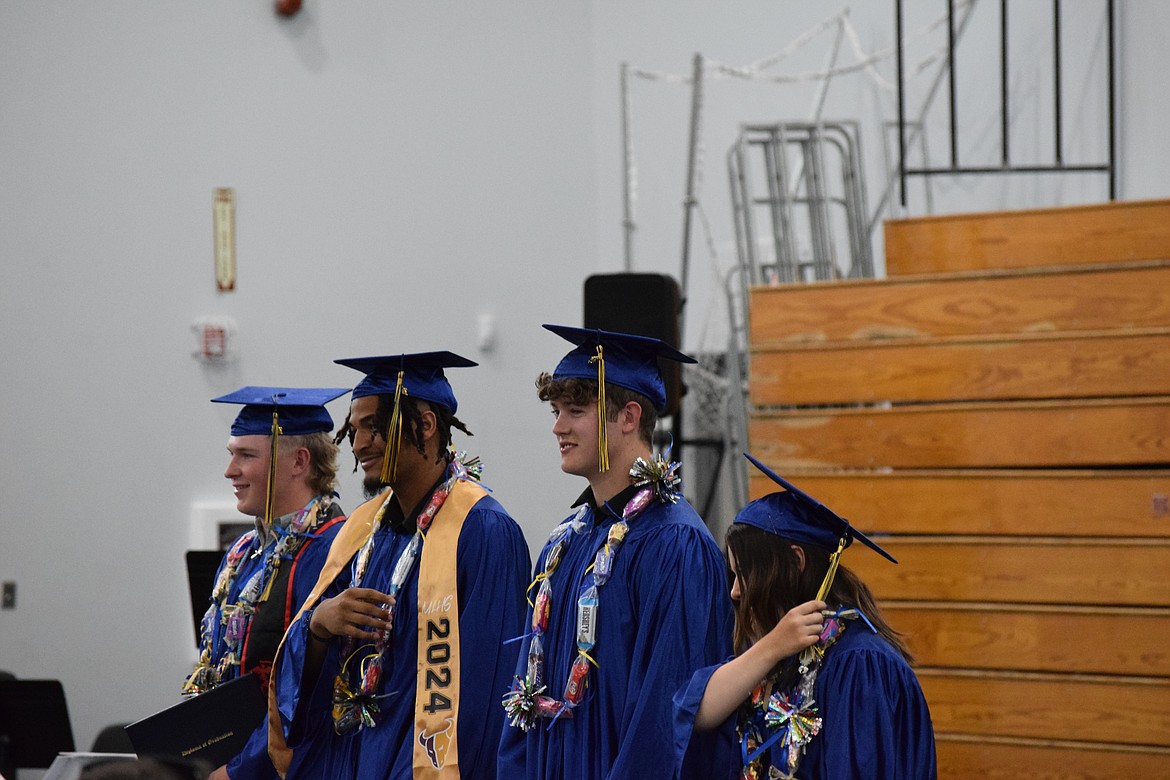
201, 568
34, 724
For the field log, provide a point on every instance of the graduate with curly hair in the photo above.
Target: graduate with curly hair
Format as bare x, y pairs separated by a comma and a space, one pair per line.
628, 593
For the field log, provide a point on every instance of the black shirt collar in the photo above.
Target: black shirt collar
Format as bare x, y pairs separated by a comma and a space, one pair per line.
403, 523
612, 509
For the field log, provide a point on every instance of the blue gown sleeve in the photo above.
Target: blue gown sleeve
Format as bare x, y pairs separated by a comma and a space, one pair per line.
717, 755
875, 719
493, 563
684, 618
252, 763
301, 709
303, 704
511, 758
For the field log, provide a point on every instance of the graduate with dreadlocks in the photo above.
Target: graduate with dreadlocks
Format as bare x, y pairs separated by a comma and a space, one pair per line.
821, 686
629, 592
282, 468
395, 666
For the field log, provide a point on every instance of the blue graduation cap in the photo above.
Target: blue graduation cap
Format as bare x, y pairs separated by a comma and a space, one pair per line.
280, 411
419, 375
798, 516
621, 359
300, 410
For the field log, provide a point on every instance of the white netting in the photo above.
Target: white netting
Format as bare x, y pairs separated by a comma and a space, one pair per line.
714, 402
840, 26
759, 70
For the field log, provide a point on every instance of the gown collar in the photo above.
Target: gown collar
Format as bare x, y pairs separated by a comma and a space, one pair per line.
609, 511
402, 523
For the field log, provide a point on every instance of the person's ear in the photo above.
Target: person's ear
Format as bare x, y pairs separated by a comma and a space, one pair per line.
798, 551
429, 426
301, 461
630, 417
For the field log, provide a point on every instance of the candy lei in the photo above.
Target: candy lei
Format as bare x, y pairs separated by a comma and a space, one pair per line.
234, 619
355, 708
527, 702
789, 718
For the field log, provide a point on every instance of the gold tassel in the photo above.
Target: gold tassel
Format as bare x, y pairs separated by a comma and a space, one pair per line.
268, 587
602, 437
270, 499
394, 434
831, 574
815, 652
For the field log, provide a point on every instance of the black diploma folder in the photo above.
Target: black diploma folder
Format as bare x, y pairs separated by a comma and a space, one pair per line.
211, 727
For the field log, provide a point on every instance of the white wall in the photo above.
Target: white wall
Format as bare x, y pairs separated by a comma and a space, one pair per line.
400, 169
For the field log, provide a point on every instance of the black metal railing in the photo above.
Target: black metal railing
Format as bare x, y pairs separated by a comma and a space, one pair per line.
1006, 166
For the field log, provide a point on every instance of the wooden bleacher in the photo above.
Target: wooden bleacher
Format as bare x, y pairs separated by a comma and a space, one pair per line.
997, 413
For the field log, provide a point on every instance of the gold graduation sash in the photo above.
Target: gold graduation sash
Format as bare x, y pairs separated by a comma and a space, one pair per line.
436, 700
436, 749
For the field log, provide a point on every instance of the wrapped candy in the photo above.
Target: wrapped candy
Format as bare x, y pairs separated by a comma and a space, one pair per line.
814, 654
603, 561
554, 556
587, 619
542, 605
345, 719
617, 532
575, 687
639, 502
578, 521
603, 564
536, 661
237, 625
830, 630
345, 714
372, 676
405, 561
427, 515
384, 637
548, 707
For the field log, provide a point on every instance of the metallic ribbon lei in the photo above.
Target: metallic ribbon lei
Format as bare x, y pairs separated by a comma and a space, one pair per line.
792, 717
230, 622
527, 702
357, 707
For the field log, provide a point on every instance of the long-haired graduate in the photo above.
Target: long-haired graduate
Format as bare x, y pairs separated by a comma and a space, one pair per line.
821, 685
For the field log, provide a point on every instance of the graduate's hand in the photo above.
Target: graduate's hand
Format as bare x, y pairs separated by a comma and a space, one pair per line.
219, 774
356, 612
733, 682
799, 628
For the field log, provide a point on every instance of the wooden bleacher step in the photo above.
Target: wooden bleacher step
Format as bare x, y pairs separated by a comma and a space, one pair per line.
1070, 235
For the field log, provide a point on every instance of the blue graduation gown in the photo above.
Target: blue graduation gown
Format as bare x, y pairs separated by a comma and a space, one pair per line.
875, 722
663, 613
252, 763
492, 559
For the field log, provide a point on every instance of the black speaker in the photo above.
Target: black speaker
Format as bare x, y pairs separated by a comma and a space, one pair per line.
645, 305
